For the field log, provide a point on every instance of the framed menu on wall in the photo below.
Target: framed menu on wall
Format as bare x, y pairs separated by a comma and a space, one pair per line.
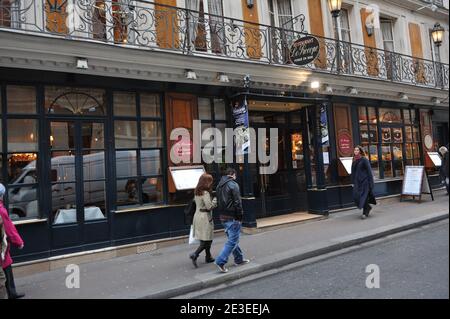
186, 177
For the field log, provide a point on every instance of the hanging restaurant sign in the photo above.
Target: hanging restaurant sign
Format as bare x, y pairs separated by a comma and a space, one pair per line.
305, 50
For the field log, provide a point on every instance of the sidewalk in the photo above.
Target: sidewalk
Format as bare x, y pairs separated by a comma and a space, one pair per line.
168, 272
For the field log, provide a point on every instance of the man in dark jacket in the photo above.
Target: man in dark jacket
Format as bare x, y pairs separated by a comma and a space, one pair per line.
231, 213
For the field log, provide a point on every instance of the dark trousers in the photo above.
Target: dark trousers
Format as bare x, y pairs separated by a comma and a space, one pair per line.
10, 285
3, 292
206, 246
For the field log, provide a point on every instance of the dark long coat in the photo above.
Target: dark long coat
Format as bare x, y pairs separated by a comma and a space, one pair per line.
362, 180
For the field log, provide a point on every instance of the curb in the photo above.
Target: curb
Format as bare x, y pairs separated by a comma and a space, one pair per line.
293, 256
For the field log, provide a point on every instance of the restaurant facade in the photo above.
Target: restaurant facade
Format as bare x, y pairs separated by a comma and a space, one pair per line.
88, 108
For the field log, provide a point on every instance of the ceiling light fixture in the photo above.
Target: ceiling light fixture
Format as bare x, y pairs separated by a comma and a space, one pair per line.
315, 85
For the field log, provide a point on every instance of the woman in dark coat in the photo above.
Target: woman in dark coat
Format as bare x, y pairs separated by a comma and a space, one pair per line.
362, 180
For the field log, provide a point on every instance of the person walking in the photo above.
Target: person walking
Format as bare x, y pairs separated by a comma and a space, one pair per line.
203, 223
3, 245
14, 239
443, 172
362, 180
231, 213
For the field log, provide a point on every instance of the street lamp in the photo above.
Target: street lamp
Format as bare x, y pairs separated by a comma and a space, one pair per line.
335, 9
437, 33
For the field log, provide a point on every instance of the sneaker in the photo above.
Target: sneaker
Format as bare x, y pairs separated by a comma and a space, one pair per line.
222, 268
243, 262
363, 216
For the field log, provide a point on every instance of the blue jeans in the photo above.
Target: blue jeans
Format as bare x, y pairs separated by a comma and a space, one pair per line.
233, 231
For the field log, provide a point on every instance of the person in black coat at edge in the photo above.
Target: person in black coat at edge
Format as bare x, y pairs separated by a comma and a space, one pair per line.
362, 180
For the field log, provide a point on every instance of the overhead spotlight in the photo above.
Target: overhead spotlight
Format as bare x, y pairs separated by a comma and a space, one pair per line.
315, 85
328, 89
191, 75
352, 91
403, 96
82, 63
223, 78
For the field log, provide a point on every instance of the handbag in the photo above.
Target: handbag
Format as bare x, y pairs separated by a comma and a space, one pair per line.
192, 239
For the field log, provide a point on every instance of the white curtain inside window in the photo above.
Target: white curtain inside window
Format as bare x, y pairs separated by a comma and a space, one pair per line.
216, 24
345, 26
193, 20
388, 39
285, 14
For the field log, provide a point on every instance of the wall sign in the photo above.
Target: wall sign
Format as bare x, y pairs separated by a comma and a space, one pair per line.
345, 143
241, 124
305, 50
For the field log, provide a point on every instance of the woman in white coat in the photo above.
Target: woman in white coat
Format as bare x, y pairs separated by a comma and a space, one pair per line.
203, 224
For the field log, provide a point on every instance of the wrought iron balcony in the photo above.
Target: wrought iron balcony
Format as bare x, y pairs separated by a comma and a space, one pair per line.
148, 25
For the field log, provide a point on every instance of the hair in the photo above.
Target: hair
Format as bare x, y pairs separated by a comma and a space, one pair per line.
230, 171
204, 184
361, 150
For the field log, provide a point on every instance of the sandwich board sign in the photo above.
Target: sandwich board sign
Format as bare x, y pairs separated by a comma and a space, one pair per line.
415, 183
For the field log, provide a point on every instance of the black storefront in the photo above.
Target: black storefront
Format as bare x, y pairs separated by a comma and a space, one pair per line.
95, 148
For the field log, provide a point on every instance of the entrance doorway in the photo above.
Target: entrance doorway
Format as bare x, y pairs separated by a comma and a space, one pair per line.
285, 191
76, 187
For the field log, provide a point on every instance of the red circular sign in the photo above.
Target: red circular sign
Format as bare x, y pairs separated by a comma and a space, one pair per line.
345, 143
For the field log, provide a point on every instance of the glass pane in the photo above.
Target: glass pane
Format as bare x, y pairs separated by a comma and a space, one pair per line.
74, 101
94, 200
63, 203
22, 168
206, 136
406, 117
398, 135
150, 105
386, 134
152, 190
373, 157
373, 134
127, 192
1, 133
93, 135
390, 115
62, 167
23, 201
409, 162
409, 134
126, 163
151, 134
372, 115
125, 134
409, 151
21, 99
204, 109
62, 135
362, 114
124, 104
220, 110
151, 162
416, 151
364, 134
416, 134
93, 165
387, 158
22, 135
398, 159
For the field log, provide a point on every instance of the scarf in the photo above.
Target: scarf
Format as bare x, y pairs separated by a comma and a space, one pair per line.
357, 157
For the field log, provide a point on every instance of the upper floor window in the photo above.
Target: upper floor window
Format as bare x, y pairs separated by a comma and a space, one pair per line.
387, 33
343, 26
206, 25
281, 14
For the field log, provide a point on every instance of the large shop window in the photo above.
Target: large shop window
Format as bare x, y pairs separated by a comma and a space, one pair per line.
138, 149
212, 113
390, 138
19, 155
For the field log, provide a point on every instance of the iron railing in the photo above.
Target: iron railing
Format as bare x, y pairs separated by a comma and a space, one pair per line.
149, 25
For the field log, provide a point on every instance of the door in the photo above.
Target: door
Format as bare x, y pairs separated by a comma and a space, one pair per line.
78, 182
285, 190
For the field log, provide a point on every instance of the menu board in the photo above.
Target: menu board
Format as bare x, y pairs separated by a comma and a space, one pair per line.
435, 158
347, 163
186, 177
412, 182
